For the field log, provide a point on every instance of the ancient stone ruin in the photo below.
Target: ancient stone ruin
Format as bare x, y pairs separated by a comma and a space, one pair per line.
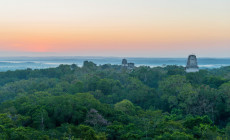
124, 62
127, 65
192, 65
131, 65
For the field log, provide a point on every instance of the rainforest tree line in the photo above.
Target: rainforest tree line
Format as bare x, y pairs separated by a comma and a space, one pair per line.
111, 102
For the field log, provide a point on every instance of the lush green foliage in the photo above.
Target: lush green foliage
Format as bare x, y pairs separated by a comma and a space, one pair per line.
110, 102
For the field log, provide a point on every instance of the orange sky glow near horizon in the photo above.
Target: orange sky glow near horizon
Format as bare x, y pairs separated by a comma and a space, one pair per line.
116, 27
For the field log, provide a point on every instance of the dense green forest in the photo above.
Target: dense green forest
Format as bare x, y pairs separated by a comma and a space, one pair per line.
111, 102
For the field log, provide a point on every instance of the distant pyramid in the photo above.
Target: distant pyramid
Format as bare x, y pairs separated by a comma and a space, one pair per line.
124, 62
192, 64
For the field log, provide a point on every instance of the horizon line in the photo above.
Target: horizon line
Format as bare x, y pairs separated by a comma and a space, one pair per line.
42, 56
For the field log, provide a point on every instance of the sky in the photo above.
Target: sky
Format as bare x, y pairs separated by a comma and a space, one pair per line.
123, 28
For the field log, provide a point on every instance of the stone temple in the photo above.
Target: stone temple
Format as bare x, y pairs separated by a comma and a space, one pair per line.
192, 65
127, 65
124, 62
